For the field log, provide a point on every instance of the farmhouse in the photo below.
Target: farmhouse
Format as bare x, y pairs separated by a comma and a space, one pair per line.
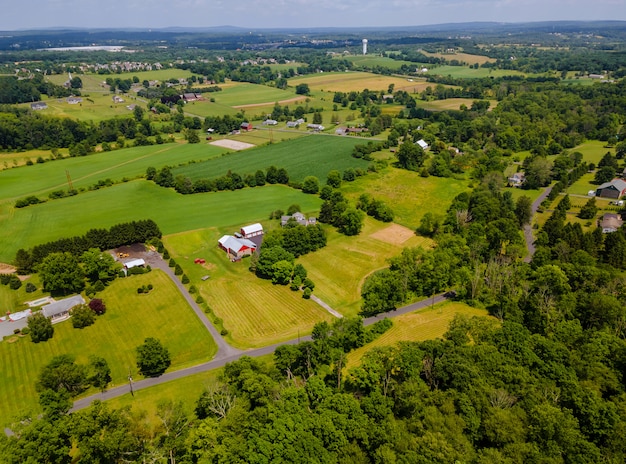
611, 223
117, 99
74, 100
315, 127
299, 218
252, 230
38, 106
192, 97
236, 247
614, 189
270, 122
60, 310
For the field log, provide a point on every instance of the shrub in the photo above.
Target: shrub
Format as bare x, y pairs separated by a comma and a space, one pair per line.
172, 263
98, 286
82, 316
223, 332
166, 254
15, 282
307, 293
97, 306
184, 279
5, 278
25, 331
193, 289
199, 299
30, 287
16, 331
178, 270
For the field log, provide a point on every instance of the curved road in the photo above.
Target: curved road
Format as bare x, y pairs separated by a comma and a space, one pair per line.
528, 230
226, 353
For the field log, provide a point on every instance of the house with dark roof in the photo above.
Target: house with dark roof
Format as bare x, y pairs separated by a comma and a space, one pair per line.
38, 106
299, 218
60, 310
246, 126
614, 189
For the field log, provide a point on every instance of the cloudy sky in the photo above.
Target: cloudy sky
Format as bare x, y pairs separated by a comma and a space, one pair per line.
256, 14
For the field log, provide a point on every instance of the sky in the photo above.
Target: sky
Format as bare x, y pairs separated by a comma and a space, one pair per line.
259, 14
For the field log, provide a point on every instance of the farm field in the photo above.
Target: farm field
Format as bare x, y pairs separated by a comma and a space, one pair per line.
357, 81
462, 72
41, 179
235, 94
314, 155
255, 312
369, 61
141, 199
339, 270
426, 324
409, 195
463, 57
130, 318
450, 104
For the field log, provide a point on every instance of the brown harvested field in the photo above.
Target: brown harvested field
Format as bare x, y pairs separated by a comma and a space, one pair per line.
451, 104
281, 102
465, 57
357, 81
395, 234
232, 144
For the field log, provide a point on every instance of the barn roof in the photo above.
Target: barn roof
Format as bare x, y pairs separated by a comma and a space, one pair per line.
252, 228
618, 184
62, 306
235, 244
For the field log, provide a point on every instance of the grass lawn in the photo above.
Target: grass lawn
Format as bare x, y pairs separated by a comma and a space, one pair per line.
357, 81
314, 155
140, 199
129, 319
340, 268
15, 300
593, 150
465, 57
255, 312
94, 107
407, 193
243, 93
41, 179
422, 325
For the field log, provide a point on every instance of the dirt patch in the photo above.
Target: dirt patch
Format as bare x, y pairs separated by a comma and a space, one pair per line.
394, 234
232, 144
6, 268
209, 266
130, 251
282, 102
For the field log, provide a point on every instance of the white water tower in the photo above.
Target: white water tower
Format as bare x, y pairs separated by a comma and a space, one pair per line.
365, 46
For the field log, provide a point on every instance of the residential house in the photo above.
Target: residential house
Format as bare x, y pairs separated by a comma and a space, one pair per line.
611, 223
299, 218
270, 122
117, 99
236, 247
315, 127
60, 310
74, 100
517, 179
188, 97
614, 189
38, 106
422, 144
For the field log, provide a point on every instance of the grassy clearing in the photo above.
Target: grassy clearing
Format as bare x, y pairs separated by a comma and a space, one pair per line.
468, 58
427, 324
357, 81
407, 193
129, 319
313, 155
23, 228
244, 93
464, 72
41, 179
15, 300
340, 268
369, 61
255, 312
450, 104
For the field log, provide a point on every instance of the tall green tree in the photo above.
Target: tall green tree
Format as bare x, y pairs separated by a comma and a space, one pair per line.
40, 327
61, 274
153, 358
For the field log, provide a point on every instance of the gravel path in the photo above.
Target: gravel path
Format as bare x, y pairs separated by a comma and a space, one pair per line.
528, 230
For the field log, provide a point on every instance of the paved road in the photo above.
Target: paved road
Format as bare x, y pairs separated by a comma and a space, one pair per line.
528, 231
222, 360
224, 350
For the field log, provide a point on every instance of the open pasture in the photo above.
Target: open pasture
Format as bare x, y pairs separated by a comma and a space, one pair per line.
450, 104
94, 82
94, 107
40, 179
369, 61
465, 72
409, 195
130, 318
467, 58
426, 324
140, 199
243, 93
255, 312
314, 155
357, 81
340, 268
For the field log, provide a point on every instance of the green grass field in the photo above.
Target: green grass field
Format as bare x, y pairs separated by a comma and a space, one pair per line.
15, 300
314, 155
41, 179
255, 312
450, 104
340, 268
357, 81
407, 193
369, 61
422, 325
465, 72
140, 199
129, 319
